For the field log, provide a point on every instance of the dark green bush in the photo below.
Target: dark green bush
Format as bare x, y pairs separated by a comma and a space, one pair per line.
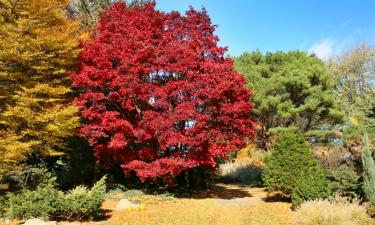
41, 203
293, 170
47, 202
345, 180
82, 203
3, 205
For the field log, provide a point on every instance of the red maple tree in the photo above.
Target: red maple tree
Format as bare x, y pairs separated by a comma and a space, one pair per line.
157, 96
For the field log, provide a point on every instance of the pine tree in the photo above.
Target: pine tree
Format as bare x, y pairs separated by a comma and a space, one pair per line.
38, 48
289, 89
293, 170
368, 172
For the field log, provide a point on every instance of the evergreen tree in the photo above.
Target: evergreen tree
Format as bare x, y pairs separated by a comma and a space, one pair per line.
38, 47
368, 172
289, 89
293, 170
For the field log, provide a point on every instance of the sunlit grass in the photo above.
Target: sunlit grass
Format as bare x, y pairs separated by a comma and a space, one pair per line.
201, 210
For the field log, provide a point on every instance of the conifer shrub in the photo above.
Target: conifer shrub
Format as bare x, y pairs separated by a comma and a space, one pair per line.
368, 172
3, 205
368, 165
82, 203
47, 202
345, 180
293, 170
41, 203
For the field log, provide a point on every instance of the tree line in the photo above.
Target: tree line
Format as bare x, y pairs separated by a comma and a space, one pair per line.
209, 112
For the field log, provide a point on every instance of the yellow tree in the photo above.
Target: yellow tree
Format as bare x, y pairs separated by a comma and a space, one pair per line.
354, 72
38, 47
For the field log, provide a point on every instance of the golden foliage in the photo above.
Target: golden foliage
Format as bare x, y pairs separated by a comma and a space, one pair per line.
251, 155
354, 73
38, 47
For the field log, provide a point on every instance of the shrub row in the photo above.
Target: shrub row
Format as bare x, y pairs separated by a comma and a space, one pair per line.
49, 203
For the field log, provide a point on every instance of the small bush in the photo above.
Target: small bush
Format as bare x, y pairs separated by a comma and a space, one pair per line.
81, 203
335, 211
240, 172
344, 180
293, 170
41, 203
3, 205
47, 202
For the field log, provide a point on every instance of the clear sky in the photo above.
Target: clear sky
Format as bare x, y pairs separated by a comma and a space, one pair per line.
326, 27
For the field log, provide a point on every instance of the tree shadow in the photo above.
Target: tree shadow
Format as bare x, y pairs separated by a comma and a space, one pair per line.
213, 191
276, 197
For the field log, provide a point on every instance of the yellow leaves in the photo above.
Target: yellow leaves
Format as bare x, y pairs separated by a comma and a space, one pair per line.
354, 121
5, 10
38, 48
13, 150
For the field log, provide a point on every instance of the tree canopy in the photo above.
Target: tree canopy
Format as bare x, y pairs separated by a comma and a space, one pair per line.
289, 89
354, 73
157, 94
38, 47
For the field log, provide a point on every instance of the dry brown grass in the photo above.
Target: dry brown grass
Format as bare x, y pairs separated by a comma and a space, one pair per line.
335, 211
225, 205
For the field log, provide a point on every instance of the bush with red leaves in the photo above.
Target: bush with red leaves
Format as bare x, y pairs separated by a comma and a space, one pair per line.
157, 96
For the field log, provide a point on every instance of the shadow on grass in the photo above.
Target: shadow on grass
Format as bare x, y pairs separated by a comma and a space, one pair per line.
213, 191
277, 197
222, 192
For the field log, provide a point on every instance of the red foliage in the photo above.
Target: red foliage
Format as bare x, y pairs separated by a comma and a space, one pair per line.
157, 94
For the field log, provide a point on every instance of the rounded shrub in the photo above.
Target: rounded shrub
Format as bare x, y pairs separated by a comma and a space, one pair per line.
293, 170
345, 180
336, 210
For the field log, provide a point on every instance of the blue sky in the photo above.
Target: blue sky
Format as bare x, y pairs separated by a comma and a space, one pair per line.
326, 27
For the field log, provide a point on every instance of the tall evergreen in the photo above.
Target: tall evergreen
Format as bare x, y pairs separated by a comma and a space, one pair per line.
368, 172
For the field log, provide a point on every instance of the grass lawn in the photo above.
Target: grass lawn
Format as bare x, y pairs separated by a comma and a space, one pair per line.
224, 205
